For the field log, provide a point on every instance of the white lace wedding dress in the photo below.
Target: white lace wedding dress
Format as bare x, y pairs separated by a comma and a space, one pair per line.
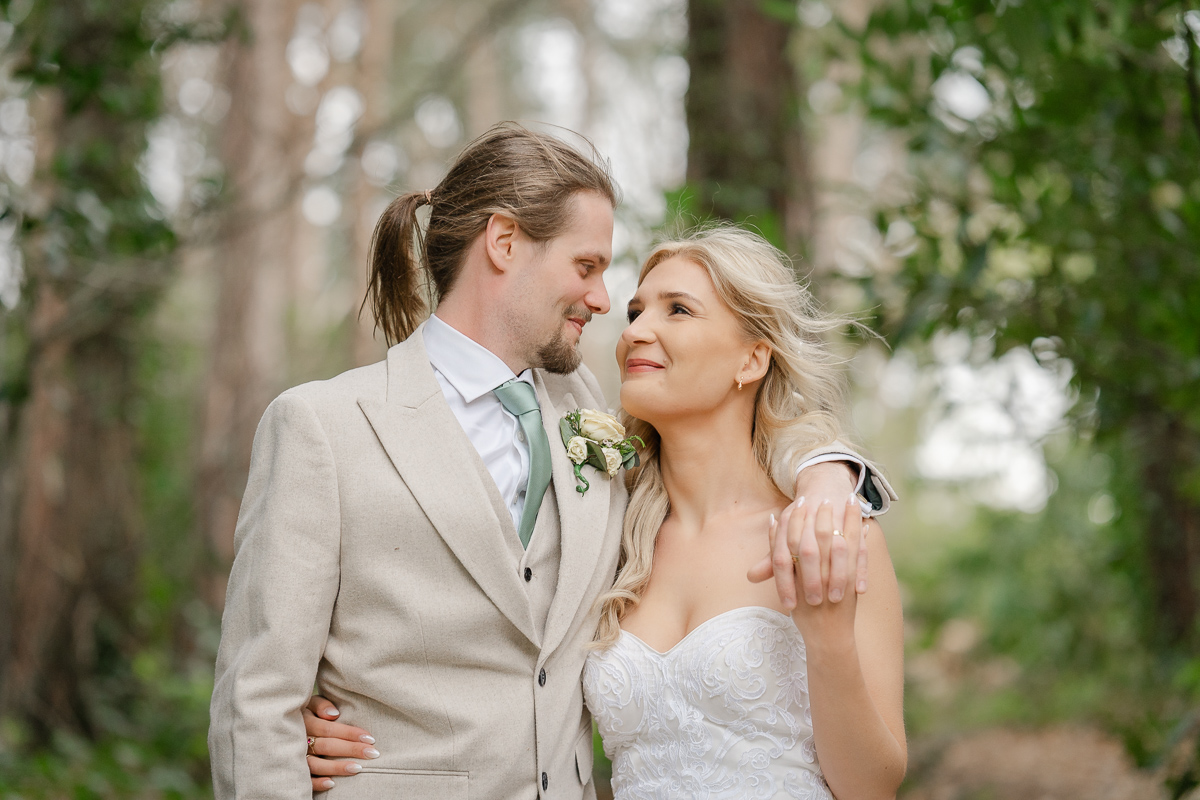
722, 714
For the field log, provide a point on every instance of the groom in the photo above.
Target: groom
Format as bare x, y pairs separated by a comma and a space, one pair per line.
411, 541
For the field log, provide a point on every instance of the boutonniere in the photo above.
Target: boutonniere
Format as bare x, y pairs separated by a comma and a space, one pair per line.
599, 441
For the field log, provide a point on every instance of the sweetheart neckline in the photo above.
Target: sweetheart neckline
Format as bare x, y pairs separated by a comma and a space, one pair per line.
689, 634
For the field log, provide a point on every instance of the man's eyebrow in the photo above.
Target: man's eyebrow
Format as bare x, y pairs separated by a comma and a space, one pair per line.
598, 257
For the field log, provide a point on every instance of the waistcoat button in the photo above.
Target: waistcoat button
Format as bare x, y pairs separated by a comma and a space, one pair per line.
542, 678
545, 782
528, 574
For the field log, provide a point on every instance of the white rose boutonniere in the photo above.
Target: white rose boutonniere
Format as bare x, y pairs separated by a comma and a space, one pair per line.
577, 449
600, 427
597, 440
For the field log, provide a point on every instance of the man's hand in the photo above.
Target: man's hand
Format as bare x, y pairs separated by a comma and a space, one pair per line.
334, 743
832, 484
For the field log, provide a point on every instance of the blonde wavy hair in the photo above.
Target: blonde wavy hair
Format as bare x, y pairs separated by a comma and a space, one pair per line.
796, 408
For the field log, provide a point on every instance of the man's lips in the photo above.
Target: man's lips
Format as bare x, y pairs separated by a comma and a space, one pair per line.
578, 322
636, 365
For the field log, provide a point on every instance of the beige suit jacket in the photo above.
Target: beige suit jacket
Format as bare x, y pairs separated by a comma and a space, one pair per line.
376, 561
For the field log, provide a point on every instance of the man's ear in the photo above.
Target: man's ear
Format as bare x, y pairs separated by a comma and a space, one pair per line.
757, 363
499, 239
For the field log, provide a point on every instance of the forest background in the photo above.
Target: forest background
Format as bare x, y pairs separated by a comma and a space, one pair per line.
1008, 191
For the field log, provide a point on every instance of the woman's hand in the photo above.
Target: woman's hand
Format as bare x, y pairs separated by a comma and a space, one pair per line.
809, 558
334, 743
831, 621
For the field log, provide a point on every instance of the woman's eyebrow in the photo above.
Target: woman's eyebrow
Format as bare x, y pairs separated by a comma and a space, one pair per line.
677, 295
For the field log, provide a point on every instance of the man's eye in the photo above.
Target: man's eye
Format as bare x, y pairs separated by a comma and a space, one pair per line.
632, 315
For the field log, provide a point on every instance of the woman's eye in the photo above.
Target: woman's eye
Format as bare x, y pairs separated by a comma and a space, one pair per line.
679, 309
632, 315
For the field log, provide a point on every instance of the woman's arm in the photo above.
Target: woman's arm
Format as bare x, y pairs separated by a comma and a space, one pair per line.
855, 655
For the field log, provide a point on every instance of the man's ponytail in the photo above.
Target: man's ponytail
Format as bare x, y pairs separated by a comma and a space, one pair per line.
398, 288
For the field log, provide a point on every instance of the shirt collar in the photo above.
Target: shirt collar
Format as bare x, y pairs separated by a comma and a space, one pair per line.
470, 368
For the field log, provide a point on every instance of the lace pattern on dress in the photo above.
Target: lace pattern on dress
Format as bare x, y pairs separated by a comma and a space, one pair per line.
722, 714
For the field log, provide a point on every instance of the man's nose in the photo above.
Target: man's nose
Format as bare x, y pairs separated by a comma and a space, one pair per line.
597, 299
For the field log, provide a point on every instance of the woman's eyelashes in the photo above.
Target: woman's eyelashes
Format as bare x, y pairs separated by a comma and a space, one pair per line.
675, 310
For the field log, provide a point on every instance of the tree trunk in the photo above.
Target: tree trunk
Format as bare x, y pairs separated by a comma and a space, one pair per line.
746, 156
73, 529
374, 62
1172, 525
263, 149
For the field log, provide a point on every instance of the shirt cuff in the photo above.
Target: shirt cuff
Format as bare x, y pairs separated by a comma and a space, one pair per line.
846, 458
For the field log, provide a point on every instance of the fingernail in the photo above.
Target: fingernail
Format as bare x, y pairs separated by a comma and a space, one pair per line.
353, 769
852, 500
825, 502
327, 784
370, 752
862, 587
365, 738
772, 520
800, 502
813, 599
835, 595
333, 712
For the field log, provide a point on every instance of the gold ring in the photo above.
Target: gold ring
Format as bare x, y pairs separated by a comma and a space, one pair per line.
312, 740
795, 559
839, 533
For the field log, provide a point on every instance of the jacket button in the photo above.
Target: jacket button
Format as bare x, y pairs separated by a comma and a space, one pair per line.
545, 782
542, 678
528, 574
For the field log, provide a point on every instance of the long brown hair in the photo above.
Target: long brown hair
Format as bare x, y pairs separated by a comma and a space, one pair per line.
509, 170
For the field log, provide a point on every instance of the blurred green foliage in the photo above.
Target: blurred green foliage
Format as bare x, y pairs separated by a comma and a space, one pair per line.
1054, 203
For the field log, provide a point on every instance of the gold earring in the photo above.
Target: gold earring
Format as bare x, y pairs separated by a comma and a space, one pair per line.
739, 384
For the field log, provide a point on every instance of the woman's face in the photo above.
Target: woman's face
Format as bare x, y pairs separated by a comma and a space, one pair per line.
684, 350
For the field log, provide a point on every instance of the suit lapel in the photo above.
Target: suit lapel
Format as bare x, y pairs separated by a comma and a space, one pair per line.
583, 520
435, 459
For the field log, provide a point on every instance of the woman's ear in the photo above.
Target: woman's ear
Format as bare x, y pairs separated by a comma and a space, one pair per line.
757, 363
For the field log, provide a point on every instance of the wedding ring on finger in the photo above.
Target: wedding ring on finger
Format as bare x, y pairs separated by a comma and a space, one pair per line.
839, 533
312, 740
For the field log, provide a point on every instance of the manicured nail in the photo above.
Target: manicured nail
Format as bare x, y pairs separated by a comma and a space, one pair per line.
353, 769
367, 739
852, 500
333, 712
772, 520
370, 752
825, 502
327, 784
800, 502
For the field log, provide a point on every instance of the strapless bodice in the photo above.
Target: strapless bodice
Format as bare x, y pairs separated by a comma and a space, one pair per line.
722, 714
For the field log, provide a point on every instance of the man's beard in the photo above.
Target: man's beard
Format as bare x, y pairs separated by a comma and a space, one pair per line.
558, 355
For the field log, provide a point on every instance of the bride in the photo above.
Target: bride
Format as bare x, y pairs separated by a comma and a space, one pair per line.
708, 678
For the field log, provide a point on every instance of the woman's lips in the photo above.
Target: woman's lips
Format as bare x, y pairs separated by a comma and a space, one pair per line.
636, 365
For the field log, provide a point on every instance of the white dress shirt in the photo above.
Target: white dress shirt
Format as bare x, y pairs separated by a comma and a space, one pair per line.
468, 372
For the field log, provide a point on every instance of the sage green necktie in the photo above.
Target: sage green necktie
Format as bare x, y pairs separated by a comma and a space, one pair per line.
519, 399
